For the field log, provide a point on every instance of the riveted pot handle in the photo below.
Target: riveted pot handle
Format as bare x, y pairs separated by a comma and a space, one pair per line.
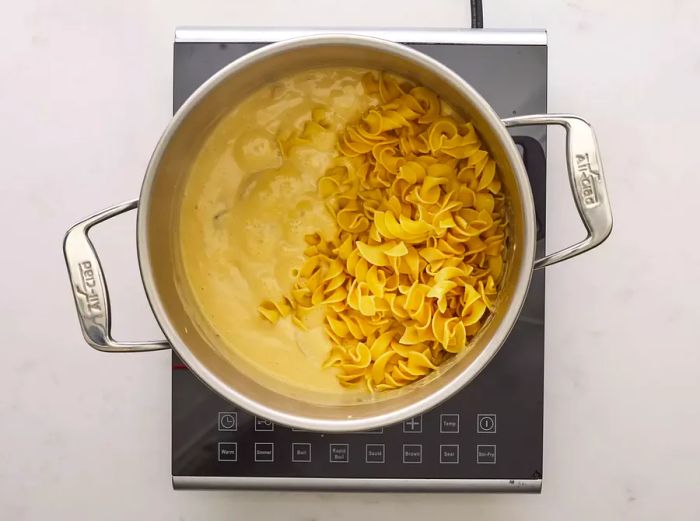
586, 178
90, 289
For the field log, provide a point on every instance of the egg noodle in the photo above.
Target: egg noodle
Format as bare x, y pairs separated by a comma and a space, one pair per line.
413, 269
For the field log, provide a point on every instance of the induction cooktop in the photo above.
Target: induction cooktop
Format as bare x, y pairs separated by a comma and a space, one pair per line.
488, 437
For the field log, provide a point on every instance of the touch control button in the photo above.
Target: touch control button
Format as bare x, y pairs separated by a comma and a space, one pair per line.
265, 452
449, 423
374, 453
228, 421
301, 452
228, 451
486, 454
413, 453
414, 425
262, 424
449, 454
486, 423
339, 453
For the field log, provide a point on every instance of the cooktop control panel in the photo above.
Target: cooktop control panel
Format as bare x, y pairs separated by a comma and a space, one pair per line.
485, 431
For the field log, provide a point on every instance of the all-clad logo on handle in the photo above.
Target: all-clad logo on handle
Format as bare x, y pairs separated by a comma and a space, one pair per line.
588, 179
88, 289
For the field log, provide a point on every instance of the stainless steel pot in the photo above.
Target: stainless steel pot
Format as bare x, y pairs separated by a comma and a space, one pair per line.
158, 252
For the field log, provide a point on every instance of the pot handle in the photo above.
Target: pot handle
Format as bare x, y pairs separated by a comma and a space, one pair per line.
90, 289
586, 178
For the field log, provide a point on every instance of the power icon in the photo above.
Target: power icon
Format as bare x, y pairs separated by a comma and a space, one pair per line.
486, 423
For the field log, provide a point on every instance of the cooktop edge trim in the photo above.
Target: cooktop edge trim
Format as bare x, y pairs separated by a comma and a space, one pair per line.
357, 484
204, 34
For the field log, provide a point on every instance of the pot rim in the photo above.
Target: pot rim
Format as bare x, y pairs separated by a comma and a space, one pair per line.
418, 407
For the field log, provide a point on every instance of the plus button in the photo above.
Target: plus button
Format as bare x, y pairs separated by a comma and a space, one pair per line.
414, 425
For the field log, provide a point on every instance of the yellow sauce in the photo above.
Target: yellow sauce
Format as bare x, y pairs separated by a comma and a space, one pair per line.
245, 212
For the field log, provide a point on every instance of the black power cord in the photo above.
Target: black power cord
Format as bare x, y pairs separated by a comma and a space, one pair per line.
477, 14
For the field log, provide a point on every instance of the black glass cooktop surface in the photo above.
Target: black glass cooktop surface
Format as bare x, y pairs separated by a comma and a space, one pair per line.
487, 437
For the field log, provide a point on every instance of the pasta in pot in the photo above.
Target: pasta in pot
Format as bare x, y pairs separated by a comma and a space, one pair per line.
412, 271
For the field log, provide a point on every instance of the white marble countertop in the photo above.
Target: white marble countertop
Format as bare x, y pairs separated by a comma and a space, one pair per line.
84, 95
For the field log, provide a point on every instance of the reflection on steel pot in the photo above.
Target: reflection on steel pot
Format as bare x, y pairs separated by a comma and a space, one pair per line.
160, 198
